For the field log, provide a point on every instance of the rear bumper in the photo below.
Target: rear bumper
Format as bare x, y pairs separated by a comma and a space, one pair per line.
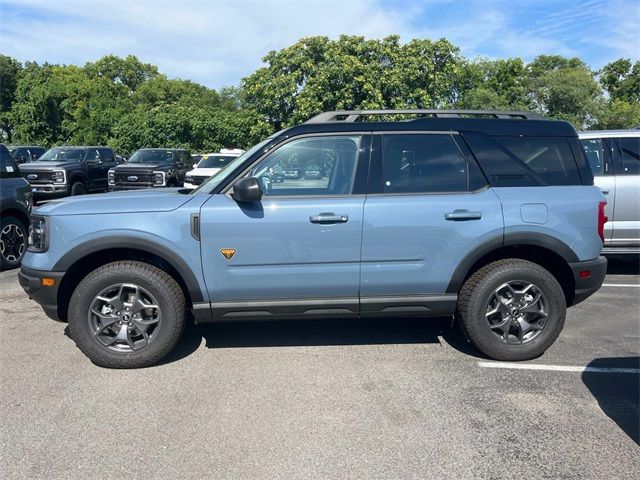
588, 285
47, 297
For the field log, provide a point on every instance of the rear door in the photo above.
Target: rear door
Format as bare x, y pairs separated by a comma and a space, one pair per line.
626, 223
598, 152
427, 207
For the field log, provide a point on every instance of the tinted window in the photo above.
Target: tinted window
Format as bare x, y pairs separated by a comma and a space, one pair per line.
92, 154
595, 154
548, 158
107, 155
422, 164
8, 167
310, 166
63, 154
630, 148
215, 161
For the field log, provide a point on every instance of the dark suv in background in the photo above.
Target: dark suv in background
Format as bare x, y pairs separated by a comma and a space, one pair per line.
64, 171
15, 207
151, 167
25, 154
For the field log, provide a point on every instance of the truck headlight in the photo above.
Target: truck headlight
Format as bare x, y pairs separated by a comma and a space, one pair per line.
158, 179
58, 176
112, 177
38, 238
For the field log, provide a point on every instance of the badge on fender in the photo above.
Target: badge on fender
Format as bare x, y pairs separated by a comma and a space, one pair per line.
228, 253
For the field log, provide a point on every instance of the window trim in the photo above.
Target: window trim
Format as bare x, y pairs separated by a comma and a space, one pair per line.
363, 160
375, 186
618, 164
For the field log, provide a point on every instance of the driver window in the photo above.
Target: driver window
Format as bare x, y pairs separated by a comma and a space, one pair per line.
92, 154
310, 166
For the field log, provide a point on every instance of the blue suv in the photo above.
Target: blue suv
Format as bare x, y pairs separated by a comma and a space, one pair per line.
491, 217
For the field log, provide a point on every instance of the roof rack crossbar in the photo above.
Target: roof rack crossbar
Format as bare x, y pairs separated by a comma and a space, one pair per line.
354, 115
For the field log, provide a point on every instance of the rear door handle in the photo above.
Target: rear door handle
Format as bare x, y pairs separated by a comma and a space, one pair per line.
326, 218
462, 215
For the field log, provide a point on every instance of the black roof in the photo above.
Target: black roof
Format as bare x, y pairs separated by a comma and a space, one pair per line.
495, 123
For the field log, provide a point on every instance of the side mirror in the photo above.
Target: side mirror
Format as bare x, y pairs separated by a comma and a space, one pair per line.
247, 190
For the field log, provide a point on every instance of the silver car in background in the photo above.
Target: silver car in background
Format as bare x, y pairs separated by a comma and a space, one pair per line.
614, 156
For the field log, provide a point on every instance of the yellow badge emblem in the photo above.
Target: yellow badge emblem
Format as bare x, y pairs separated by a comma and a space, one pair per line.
228, 253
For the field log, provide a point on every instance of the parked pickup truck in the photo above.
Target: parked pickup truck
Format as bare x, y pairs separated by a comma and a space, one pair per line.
65, 171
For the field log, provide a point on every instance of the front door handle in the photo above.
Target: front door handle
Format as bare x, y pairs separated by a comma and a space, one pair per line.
327, 218
462, 215
605, 191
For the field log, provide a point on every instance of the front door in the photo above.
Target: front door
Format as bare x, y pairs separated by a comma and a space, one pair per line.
427, 208
296, 253
97, 179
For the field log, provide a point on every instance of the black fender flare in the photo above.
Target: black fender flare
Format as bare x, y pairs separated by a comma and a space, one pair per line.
121, 241
524, 239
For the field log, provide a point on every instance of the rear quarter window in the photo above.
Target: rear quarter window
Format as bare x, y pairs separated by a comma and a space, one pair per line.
630, 150
8, 168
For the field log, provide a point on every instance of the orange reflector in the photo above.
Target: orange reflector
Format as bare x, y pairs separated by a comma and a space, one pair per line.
585, 273
48, 282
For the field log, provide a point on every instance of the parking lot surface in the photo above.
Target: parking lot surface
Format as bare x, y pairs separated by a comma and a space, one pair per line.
399, 398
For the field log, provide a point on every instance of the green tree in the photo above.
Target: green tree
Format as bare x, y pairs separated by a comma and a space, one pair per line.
621, 80
619, 114
10, 70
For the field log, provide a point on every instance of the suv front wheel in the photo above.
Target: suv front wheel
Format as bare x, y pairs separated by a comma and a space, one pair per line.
13, 242
512, 309
126, 314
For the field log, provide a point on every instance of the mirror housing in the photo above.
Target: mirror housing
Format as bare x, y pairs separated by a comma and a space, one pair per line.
247, 190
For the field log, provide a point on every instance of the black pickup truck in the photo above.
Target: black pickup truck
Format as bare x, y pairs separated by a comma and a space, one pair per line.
150, 168
64, 171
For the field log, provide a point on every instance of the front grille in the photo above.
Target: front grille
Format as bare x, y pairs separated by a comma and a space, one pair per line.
127, 178
42, 177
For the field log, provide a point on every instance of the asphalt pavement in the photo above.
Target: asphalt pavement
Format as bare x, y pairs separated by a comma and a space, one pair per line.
397, 399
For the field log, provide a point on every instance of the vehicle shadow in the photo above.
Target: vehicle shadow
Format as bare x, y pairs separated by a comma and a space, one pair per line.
321, 332
618, 394
623, 264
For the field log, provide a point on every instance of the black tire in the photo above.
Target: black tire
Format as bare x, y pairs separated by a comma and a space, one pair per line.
473, 305
78, 188
167, 293
13, 242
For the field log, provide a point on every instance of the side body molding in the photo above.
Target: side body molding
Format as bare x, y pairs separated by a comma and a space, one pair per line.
517, 238
125, 242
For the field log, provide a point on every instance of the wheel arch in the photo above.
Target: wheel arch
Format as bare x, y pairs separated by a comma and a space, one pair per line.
84, 258
548, 252
16, 212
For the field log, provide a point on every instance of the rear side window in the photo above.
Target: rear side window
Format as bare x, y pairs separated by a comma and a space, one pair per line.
417, 163
107, 155
8, 167
630, 149
525, 161
595, 154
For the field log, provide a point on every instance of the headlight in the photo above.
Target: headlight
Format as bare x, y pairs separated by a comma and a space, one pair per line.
158, 179
58, 176
38, 241
112, 177
187, 178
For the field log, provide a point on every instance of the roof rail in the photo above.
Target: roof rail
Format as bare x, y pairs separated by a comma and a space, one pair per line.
354, 115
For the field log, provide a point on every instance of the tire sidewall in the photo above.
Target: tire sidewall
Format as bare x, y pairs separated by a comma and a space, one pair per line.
488, 341
9, 220
83, 297
78, 188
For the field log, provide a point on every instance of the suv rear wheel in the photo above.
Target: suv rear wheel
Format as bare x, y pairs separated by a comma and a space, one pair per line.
127, 314
13, 242
512, 309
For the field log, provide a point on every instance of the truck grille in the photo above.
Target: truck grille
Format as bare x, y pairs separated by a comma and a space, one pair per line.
128, 178
40, 177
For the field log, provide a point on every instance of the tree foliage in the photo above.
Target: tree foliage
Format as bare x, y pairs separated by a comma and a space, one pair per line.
128, 104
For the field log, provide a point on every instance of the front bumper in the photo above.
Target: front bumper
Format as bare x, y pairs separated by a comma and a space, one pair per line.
48, 191
588, 285
121, 188
47, 297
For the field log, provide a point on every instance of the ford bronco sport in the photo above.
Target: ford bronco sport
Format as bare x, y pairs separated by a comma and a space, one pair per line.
491, 217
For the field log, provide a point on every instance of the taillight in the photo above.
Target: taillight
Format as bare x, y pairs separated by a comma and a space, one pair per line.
602, 219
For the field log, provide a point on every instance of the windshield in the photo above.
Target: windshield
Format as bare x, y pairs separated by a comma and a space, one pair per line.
151, 156
216, 180
215, 161
63, 154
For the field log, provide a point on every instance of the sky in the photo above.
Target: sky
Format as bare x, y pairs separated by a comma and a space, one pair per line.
217, 42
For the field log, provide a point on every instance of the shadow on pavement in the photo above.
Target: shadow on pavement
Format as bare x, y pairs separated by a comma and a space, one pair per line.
617, 393
623, 264
319, 332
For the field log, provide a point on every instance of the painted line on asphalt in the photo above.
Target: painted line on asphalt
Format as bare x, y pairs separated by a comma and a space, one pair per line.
620, 285
558, 368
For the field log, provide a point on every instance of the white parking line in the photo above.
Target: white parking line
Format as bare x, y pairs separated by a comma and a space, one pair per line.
558, 368
620, 285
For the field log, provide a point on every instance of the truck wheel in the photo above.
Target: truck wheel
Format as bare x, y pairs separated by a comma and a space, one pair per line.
13, 242
512, 309
126, 314
78, 188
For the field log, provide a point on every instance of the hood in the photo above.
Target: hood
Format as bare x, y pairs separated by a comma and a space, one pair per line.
203, 172
132, 201
32, 166
130, 167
